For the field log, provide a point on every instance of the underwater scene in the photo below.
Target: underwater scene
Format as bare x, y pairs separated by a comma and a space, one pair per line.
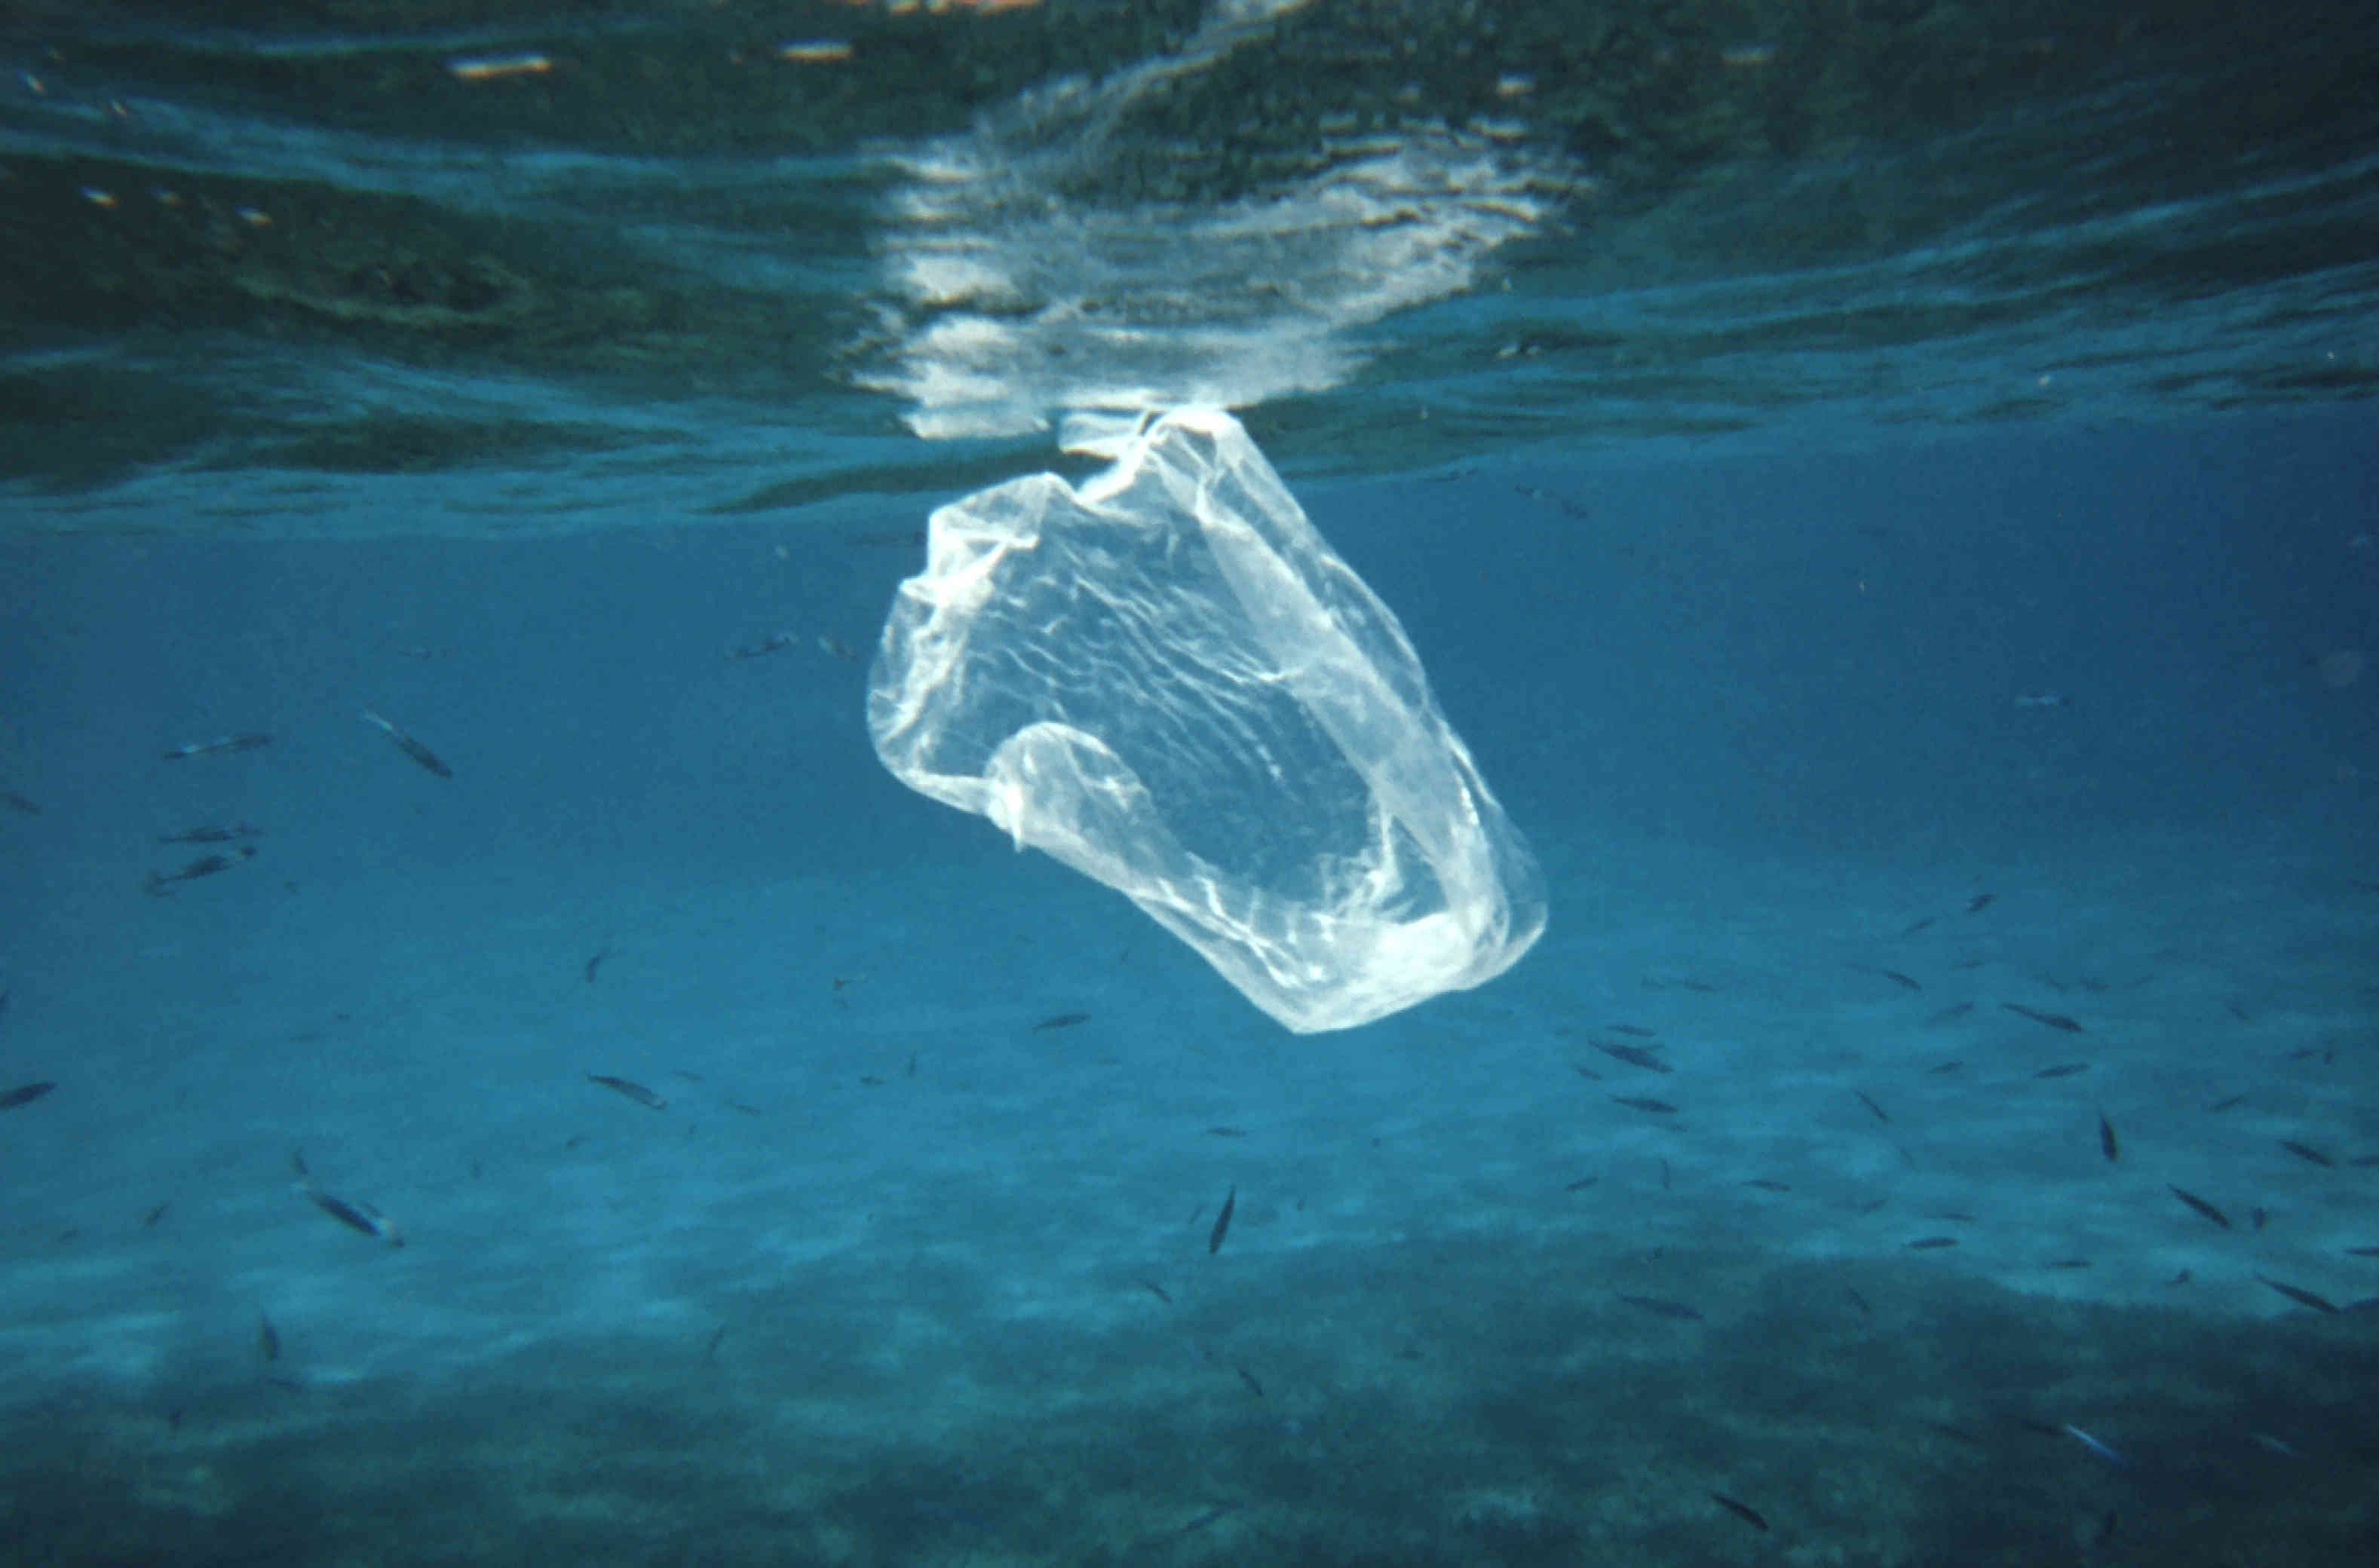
1309, 782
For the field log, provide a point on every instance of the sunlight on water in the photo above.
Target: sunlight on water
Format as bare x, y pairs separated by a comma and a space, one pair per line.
1412, 236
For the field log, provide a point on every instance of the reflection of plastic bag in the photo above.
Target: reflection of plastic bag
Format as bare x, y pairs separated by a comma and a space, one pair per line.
1169, 682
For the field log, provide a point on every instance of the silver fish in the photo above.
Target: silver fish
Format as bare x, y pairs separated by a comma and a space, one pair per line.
219, 746
408, 745
356, 1216
631, 1088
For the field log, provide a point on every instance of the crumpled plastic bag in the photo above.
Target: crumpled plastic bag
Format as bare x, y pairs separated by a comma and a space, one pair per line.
1169, 682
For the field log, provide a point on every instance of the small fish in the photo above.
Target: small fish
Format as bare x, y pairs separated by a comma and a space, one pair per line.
221, 746
1899, 978
595, 962
16, 801
268, 1339
408, 745
1156, 1290
628, 1087
149, 1221
2300, 1296
2102, 1450
2309, 1156
1658, 1307
2068, 1264
774, 643
1249, 1379
2107, 1144
1062, 1021
1204, 1520
2054, 1021
357, 1216
1637, 1030
1980, 903
1871, 1106
23, 1095
1932, 1243
2226, 1105
2063, 1069
1223, 1222
205, 866
1581, 1184
1742, 1511
361, 1217
710, 1345
1634, 1055
1639, 1102
1767, 1186
1951, 1013
1226, 1132
210, 835
1861, 1303
1954, 1065
2200, 1205
1914, 926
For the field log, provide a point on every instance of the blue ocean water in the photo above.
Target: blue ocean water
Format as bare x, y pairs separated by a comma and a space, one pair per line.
1939, 1123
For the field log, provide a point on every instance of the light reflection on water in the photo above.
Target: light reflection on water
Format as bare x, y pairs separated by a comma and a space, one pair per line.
300, 281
